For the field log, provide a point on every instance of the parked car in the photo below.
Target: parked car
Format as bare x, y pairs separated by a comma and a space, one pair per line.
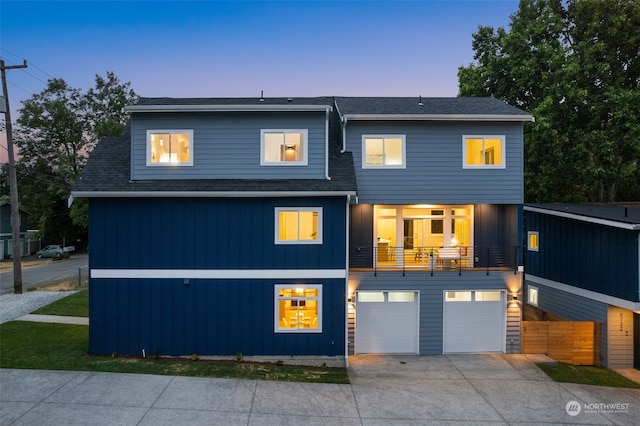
50, 251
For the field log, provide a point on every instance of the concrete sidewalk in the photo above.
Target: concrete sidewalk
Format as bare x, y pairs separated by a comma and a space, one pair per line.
451, 389
59, 319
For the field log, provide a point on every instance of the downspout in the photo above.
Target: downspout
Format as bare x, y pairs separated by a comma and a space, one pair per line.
638, 265
344, 135
346, 285
326, 144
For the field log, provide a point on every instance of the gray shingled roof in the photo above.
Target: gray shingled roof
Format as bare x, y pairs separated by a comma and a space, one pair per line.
430, 106
624, 212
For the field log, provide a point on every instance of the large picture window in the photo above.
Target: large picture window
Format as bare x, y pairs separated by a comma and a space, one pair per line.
283, 147
298, 225
169, 147
483, 152
298, 308
383, 151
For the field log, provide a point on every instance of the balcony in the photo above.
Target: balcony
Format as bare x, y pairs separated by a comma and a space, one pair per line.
435, 259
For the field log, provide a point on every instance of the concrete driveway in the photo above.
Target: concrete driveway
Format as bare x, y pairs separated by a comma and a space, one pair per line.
452, 389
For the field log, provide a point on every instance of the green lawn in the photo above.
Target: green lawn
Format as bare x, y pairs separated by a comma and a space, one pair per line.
587, 375
76, 305
45, 346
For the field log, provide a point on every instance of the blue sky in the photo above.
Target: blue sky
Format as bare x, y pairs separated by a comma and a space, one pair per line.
238, 48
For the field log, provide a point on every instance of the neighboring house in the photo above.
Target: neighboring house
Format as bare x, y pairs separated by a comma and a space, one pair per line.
436, 230
583, 264
235, 226
6, 235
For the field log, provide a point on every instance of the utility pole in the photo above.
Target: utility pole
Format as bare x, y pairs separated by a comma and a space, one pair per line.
13, 184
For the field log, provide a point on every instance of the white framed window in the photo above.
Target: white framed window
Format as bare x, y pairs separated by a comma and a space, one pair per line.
298, 225
383, 151
532, 295
533, 240
170, 147
298, 308
283, 147
483, 151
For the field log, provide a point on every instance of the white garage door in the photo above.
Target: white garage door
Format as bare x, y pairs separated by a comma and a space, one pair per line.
387, 322
474, 321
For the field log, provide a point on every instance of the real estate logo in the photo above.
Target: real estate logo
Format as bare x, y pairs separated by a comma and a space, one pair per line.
573, 408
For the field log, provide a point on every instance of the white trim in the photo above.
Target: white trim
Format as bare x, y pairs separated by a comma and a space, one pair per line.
170, 132
503, 147
223, 108
231, 274
440, 117
276, 312
276, 215
208, 194
304, 147
599, 297
403, 138
583, 218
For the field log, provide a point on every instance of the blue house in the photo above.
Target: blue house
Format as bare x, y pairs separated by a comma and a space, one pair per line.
583, 264
301, 227
435, 231
6, 235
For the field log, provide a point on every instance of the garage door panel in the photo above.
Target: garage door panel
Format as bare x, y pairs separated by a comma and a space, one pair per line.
474, 326
387, 327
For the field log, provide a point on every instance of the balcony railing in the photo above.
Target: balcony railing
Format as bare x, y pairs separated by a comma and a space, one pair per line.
435, 259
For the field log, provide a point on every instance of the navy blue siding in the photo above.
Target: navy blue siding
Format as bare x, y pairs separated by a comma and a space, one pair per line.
585, 255
204, 233
434, 169
497, 235
227, 145
207, 317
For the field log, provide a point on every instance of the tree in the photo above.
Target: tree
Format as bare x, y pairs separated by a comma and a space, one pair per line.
57, 129
575, 66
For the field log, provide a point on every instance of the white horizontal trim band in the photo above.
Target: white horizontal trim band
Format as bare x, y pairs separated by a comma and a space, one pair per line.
230, 107
229, 274
439, 117
609, 300
208, 194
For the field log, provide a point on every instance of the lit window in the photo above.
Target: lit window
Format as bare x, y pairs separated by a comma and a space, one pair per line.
387, 151
483, 152
488, 296
458, 296
533, 238
298, 308
283, 147
298, 225
169, 147
532, 296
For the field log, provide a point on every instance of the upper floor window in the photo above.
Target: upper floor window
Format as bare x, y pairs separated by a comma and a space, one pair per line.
483, 152
169, 147
532, 238
383, 151
298, 225
283, 147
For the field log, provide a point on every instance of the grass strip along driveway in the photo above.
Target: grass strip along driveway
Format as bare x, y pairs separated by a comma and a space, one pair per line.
47, 346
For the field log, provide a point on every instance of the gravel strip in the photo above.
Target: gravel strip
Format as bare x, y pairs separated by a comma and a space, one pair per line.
13, 306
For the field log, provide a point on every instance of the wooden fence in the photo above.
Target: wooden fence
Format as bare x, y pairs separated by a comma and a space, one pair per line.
573, 342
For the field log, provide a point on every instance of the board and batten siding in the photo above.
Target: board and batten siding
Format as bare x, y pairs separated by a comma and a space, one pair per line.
573, 308
431, 290
227, 145
434, 169
203, 233
594, 257
206, 317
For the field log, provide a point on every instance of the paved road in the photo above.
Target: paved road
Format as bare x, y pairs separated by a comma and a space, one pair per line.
50, 272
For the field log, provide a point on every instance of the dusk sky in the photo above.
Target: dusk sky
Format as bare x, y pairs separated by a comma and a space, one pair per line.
238, 48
